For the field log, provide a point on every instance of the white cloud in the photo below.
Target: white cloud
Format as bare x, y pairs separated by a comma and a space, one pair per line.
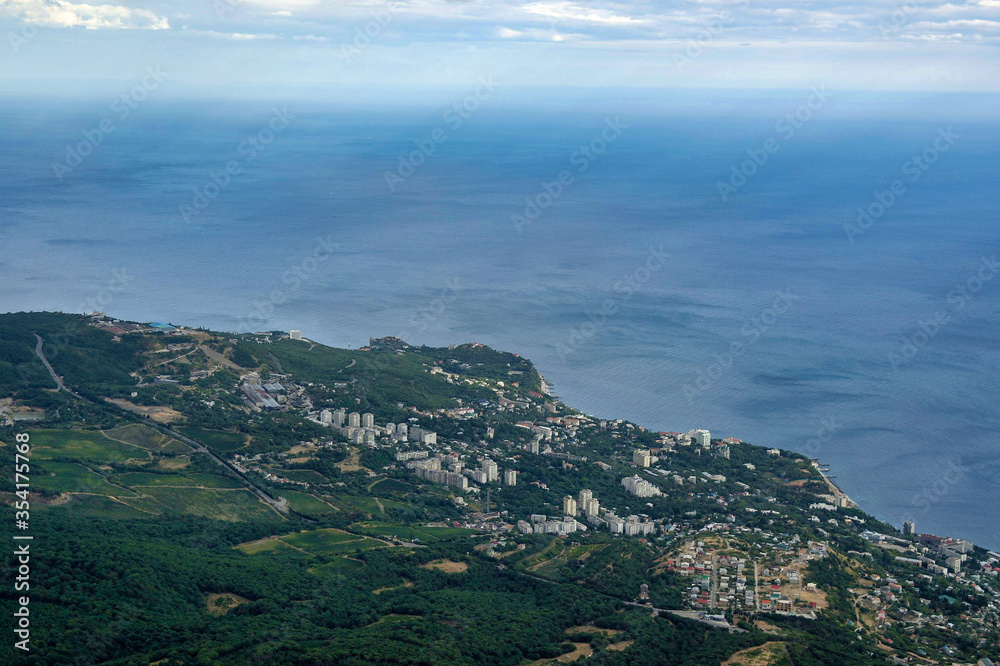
233, 36
63, 14
573, 12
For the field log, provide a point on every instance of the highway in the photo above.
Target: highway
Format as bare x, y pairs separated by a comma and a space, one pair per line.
280, 504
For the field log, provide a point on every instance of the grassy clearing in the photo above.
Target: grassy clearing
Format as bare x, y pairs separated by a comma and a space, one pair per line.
93, 506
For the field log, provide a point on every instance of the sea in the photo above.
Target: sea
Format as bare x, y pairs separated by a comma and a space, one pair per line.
798, 269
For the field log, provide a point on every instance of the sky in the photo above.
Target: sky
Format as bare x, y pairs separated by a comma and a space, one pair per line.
213, 46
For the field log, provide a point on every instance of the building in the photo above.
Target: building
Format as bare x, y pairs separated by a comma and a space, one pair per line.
326, 417
569, 505
635, 485
641, 457
354, 420
702, 438
339, 416
592, 508
490, 469
584, 497
295, 334
510, 477
367, 420
909, 527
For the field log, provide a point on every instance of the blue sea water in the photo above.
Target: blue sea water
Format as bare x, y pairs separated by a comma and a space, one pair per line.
637, 290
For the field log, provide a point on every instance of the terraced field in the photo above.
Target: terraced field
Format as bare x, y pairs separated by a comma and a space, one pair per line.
218, 504
90, 445
145, 437
322, 542
409, 532
306, 503
66, 477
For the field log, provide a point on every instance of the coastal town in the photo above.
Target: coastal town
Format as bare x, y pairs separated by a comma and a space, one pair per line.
736, 536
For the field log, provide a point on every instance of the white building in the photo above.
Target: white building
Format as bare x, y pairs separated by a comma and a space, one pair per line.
635, 485
295, 334
569, 505
326, 417
641, 457
702, 438
592, 508
354, 420
367, 420
584, 497
510, 477
491, 470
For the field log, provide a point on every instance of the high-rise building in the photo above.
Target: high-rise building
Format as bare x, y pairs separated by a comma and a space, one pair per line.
636, 485
339, 416
354, 420
583, 497
593, 508
326, 417
702, 438
641, 457
569, 506
510, 477
909, 527
295, 334
491, 470
367, 420
533, 446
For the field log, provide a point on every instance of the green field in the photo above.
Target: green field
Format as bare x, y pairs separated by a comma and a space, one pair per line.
306, 503
197, 479
210, 503
325, 541
147, 438
265, 546
217, 440
82, 445
410, 532
93, 506
74, 478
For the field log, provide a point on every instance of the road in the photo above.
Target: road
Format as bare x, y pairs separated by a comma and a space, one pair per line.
48, 366
280, 504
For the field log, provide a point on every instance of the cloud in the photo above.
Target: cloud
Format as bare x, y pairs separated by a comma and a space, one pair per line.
574, 12
62, 14
233, 36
